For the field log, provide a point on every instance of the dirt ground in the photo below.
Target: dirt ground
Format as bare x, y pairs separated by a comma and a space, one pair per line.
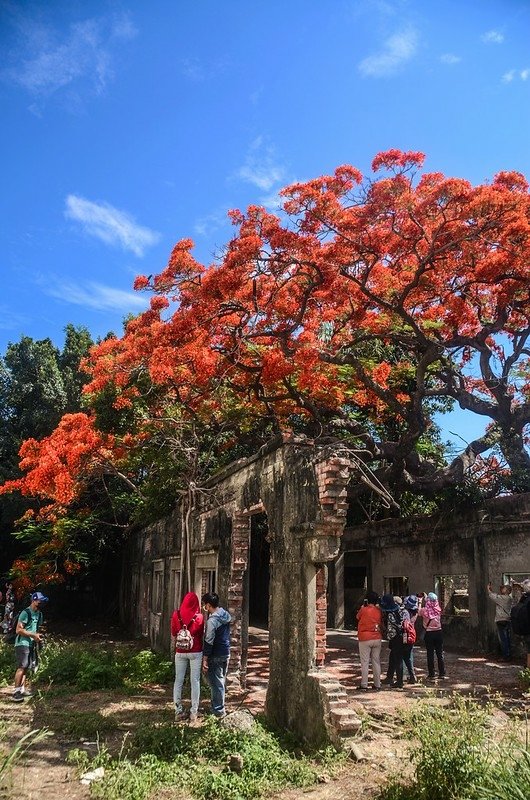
45, 775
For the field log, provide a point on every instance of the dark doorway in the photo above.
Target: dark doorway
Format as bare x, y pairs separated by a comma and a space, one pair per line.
258, 572
355, 584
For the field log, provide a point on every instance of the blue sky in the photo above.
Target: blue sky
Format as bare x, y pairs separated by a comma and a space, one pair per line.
126, 126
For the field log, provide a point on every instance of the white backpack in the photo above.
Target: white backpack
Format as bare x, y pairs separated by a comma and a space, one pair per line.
184, 640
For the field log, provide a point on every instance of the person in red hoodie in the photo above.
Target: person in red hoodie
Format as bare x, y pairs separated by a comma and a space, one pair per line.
187, 631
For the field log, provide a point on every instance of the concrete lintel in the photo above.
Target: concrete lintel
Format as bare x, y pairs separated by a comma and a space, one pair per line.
322, 548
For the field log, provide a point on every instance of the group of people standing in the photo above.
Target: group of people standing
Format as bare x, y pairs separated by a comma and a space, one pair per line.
203, 644
399, 621
394, 619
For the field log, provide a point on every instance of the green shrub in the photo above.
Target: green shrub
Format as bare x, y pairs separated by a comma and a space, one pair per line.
98, 671
89, 667
196, 760
450, 758
7, 664
148, 667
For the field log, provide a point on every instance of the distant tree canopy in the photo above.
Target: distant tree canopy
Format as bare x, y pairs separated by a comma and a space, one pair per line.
38, 384
357, 312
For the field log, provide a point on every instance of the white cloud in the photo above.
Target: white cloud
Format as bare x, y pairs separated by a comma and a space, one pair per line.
261, 168
210, 223
198, 71
272, 201
193, 69
97, 296
79, 60
109, 224
10, 320
514, 74
396, 51
450, 58
493, 37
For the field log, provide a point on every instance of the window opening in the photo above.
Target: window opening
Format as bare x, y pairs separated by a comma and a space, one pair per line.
158, 586
453, 593
397, 585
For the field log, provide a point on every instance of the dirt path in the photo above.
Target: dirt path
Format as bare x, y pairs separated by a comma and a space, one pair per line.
43, 773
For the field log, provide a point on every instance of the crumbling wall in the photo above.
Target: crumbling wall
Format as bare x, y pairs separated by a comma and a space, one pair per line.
302, 491
483, 543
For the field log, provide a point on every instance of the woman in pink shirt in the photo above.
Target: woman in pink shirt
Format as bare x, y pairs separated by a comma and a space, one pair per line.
431, 614
370, 623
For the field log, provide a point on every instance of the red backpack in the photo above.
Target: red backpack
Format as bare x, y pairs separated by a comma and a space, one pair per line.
409, 632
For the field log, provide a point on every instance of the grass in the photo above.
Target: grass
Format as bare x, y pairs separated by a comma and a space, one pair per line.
196, 760
454, 757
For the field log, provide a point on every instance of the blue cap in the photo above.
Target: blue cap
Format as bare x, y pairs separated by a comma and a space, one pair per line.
432, 596
411, 602
39, 596
388, 603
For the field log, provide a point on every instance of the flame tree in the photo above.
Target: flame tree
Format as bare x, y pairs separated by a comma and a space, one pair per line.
355, 313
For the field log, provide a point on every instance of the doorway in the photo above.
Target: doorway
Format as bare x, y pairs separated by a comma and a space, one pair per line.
258, 572
255, 617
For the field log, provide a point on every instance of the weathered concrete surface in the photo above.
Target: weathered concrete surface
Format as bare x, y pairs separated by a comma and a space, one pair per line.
483, 543
302, 491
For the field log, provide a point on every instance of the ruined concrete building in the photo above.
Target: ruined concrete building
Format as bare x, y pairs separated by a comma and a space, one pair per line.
269, 534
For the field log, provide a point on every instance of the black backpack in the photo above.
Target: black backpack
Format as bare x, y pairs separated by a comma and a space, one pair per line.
520, 616
11, 633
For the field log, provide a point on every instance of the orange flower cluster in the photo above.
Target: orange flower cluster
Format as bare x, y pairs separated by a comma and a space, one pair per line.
56, 467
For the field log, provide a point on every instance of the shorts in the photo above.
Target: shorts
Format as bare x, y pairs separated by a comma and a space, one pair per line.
22, 656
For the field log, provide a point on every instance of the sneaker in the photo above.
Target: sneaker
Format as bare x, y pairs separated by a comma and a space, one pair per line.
443, 677
220, 715
193, 720
27, 693
396, 686
362, 689
18, 697
377, 688
181, 716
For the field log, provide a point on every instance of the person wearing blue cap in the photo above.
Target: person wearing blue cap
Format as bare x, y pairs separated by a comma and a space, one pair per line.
393, 616
28, 637
411, 606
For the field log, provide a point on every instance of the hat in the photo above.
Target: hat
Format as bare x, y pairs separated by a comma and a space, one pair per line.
398, 600
388, 603
411, 602
432, 596
39, 596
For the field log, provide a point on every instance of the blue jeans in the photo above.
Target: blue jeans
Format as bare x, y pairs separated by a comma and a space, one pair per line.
505, 638
181, 666
217, 668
